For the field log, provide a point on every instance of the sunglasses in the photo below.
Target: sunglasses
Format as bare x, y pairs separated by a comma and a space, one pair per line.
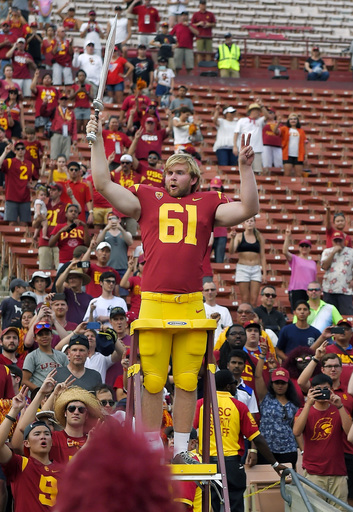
80, 408
304, 245
272, 295
20, 148
303, 359
110, 281
149, 122
43, 326
314, 289
111, 403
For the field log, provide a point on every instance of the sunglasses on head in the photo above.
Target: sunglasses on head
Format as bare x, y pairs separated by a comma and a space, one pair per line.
72, 408
268, 295
43, 326
104, 403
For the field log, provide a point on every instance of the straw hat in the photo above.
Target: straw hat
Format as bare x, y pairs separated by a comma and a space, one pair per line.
73, 394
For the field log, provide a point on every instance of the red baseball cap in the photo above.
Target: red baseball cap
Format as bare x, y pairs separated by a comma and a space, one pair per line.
306, 242
338, 235
41, 326
345, 321
216, 182
17, 331
280, 374
253, 324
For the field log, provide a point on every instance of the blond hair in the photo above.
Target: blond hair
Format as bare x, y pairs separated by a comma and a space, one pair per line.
191, 165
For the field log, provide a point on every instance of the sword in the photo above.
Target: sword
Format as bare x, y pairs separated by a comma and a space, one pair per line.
98, 102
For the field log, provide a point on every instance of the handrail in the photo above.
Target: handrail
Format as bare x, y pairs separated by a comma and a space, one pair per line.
297, 479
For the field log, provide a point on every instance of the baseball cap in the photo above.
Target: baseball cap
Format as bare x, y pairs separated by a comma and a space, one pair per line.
316, 48
216, 182
10, 328
34, 24
117, 8
252, 324
141, 46
90, 43
338, 235
31, 295
19, 143
126, 158
63, 97
5, 23
184, 12
105, 341
228, 34
79, 339
345, 321
306, 242
41, 326
58, 186
164, 24
91, 13
102, 245
229, 110
17, 282
59, 296
32, 426
117, 311
141, 258
152, 119
280, 374
21, 40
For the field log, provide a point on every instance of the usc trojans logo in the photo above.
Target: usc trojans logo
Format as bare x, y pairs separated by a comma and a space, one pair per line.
159, 195
322, 429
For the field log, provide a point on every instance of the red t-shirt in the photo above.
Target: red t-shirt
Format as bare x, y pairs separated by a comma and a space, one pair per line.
4, 88
51, 93
184, 36
5, 360
20, 66
98, 200
68, 241
150, 142
323, 447
18, 174
148, 17
128, 180
116, 69
65, 447
115, 141
119, 382
269, 138
135, 297
63, 56
19, 30
347, 401
34, 485
34, 151
130, 102
81, 192
95, 271
175, 232
4, 123
347, 362
55, 216
150, 175
69, 23
207, 16
47, 51
6, 48
329, 235
82, 99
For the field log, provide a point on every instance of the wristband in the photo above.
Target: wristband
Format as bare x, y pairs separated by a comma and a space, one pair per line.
340, 407
302, 452
252, 450
263, 357
91, 211
275, 465
315, 359
10, 418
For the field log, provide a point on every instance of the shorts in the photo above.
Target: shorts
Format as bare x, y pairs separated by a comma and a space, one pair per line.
100, 215
204, 45
116, 87
15, 211
247, 273
182, 55
45, 19
162, 89
186, 346
82, 113
41, 121
293, 160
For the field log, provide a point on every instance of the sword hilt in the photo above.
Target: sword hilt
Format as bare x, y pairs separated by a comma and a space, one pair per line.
98, 107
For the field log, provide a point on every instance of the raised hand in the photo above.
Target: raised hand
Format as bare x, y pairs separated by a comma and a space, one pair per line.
19, 401
246, 153
49, 382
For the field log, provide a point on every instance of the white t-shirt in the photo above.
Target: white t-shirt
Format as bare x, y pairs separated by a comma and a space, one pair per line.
247, 125
225, 134
92, 36
293, 146
121, 29
164, 76
91, 65
43, 208
225, 320
100, 363
181, 134
103, 308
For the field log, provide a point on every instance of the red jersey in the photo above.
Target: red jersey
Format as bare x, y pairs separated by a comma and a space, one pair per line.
148, 17
329, 235
47, 51
150, 142
207, 16
65, 447
347, 401
20, 66
269, 137
82, 99
130, 102
115, 141
119, 382
323, 447
34, 485
346, 357
55, 216
184, 36
15, 111
70, 23
63, 56
4, 123
18, 175
81, 192
176, 231
60, 119
135, 297
6, 387
34, 151
116, 70
6, 361
127, 180
150, 175
18, 30
68, 241
95, 271
51, 93
4, 49
98, 200
4, 88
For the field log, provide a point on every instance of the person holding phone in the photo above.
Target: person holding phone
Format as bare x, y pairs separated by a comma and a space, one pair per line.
322, 422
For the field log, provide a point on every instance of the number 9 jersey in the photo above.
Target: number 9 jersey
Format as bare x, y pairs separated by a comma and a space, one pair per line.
175, 233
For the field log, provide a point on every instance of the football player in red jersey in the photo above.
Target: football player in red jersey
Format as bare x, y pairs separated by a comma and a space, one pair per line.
176, 223
34, 479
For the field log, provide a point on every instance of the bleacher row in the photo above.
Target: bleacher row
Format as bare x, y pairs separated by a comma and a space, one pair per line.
283, 200
329, 24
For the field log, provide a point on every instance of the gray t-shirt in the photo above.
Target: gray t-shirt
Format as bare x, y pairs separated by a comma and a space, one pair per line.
177, 103
89, 379
40, 364
118, 255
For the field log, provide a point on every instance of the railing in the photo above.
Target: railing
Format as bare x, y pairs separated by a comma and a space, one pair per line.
297, 479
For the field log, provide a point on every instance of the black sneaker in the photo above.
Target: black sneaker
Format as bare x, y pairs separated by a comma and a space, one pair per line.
184, 458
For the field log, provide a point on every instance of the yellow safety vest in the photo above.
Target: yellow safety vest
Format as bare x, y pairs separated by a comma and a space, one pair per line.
228, 58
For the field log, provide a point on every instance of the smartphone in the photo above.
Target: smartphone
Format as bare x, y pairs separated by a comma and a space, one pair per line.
72, 226
337, 330
93, 325
324, 395
83, 264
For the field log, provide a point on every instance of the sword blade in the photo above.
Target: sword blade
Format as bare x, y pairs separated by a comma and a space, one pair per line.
109, 48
